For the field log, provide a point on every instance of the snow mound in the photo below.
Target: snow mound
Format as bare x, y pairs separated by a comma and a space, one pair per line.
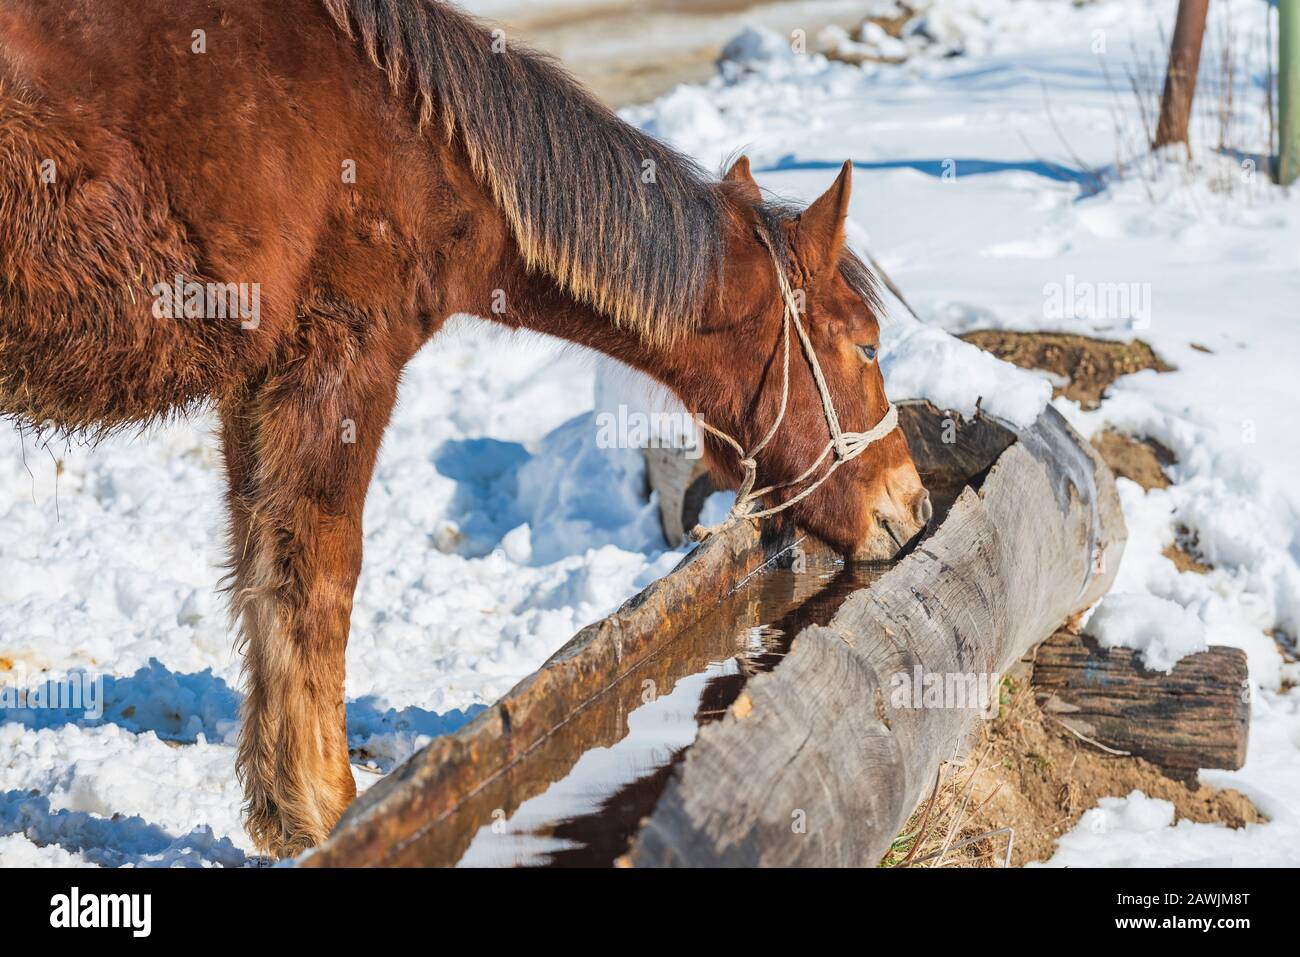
759, 50
1163, 631
1140, 831
923, 362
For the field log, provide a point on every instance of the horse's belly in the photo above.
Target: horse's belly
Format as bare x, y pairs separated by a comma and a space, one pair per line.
87, 244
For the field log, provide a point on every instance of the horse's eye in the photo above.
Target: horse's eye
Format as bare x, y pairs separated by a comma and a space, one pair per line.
869, 352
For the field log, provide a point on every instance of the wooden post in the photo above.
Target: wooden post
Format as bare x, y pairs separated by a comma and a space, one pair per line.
1180, 80
683, 484
1288, 85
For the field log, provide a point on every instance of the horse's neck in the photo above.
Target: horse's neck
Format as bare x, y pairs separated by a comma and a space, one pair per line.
490, 279
536, 303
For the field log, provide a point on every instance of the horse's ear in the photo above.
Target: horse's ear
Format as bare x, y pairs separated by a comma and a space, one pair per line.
739, 175
820, 230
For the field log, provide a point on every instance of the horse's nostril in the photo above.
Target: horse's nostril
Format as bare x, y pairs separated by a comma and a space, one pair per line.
924, 508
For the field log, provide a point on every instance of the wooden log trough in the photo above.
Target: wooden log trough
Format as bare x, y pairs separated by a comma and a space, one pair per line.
762, 705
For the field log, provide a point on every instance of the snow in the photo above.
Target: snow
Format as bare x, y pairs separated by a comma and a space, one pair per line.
497, 526
872, 41
759, 51
1140, 831
1163, 631
923, 361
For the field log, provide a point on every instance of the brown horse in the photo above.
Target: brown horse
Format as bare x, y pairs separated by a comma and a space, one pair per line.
268, 206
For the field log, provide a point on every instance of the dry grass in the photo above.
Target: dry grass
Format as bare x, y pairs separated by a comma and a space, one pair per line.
945, 831
1027, 781
947, 837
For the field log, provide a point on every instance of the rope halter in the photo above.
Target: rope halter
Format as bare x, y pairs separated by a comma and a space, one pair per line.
847, 446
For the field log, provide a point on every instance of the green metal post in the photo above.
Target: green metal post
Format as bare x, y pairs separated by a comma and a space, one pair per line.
1288, 88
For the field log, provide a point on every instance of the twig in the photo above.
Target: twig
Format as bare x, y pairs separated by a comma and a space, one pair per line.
920, 834
1098, 181
959, 816
1096, 744
891, 286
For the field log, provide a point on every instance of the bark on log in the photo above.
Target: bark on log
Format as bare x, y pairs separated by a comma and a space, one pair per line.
821, 759
1197, 716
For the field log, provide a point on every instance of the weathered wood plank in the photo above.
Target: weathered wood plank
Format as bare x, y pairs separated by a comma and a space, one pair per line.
1198, 716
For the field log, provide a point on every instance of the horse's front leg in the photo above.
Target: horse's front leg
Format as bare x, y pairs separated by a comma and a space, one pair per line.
300, 450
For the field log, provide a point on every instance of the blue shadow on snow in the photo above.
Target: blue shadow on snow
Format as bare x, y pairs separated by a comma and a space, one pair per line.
1090, 182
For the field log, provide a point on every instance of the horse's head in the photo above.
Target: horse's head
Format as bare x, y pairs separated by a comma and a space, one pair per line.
874, 503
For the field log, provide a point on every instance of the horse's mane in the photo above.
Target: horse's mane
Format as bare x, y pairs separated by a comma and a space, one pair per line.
567, 172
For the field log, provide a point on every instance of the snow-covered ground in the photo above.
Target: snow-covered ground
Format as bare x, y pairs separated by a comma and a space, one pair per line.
496, 527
